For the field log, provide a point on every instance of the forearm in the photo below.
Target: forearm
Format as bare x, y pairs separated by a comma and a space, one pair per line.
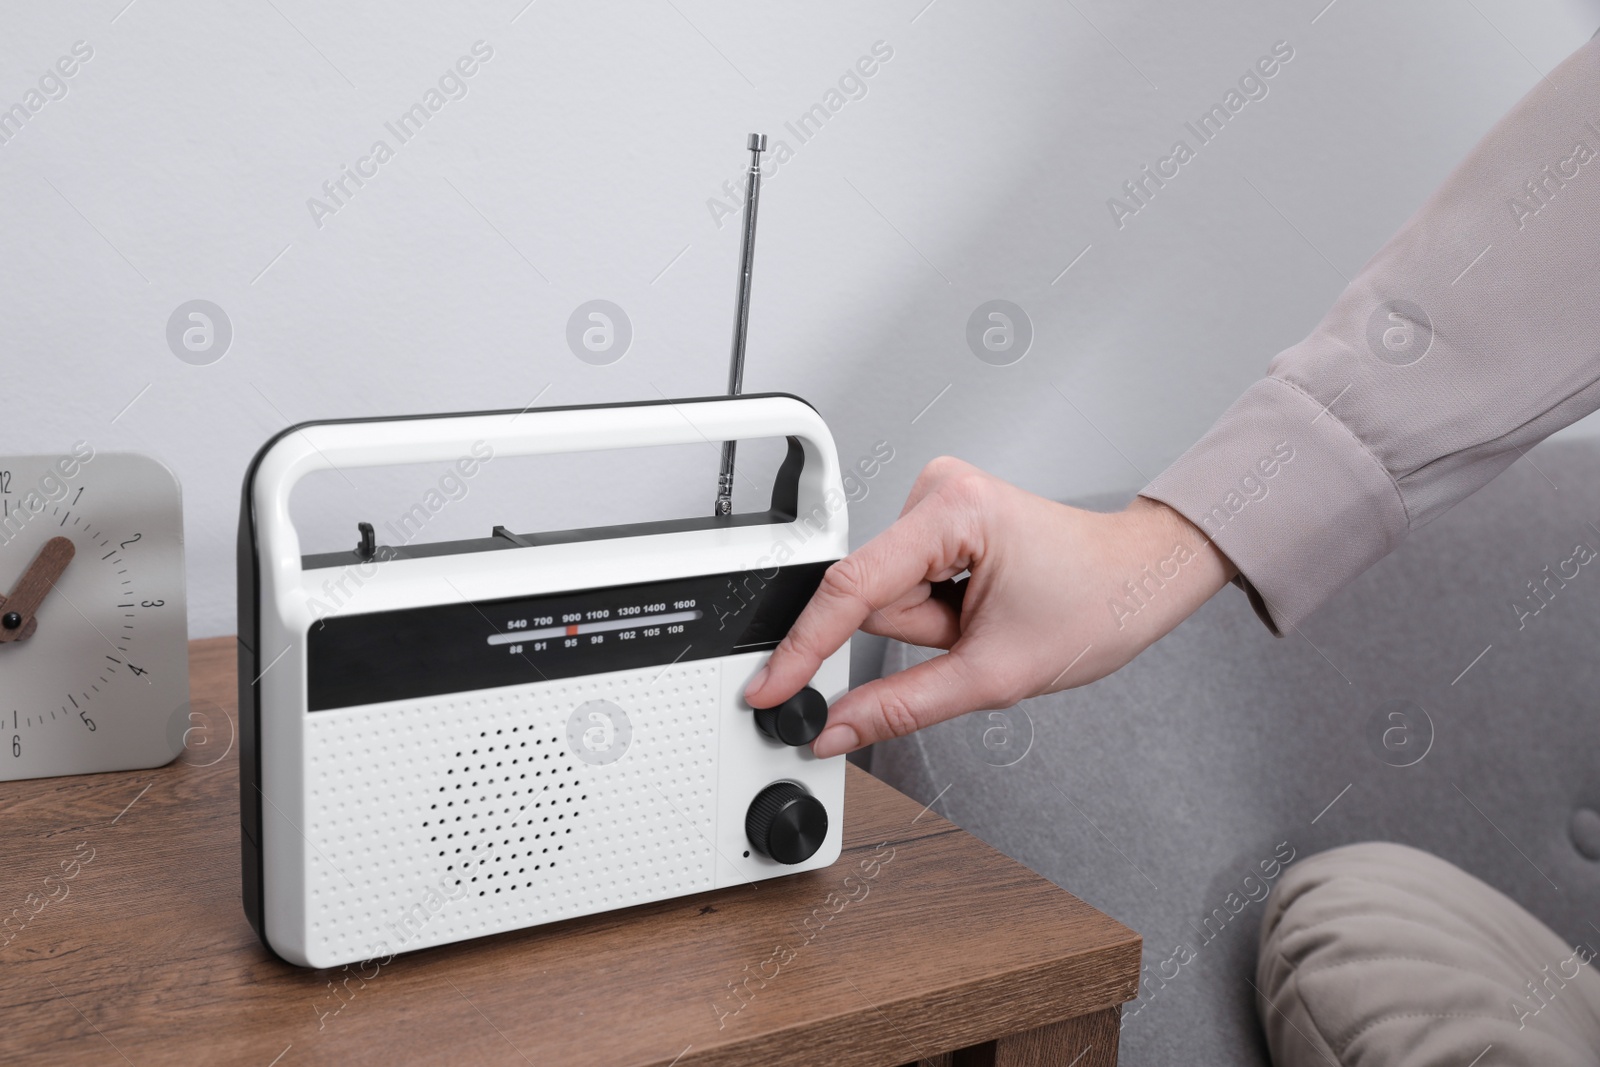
1470, 336
1171, 568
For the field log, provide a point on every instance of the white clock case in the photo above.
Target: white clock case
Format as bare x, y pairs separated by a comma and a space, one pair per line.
139, 723
343, 860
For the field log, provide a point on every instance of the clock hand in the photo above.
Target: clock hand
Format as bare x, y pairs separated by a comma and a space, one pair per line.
17, 623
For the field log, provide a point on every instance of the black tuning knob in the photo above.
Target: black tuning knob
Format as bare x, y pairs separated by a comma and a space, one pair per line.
797, 721
786, 823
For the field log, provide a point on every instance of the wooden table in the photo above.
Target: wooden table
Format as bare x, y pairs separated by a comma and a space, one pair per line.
126, 943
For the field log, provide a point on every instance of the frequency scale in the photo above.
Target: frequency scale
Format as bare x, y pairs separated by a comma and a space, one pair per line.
496, 733
94, 659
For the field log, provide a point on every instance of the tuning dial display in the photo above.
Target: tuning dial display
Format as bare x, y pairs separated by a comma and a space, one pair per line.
797, 721
786, 823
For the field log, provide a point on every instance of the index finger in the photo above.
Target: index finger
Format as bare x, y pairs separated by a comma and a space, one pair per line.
916, 546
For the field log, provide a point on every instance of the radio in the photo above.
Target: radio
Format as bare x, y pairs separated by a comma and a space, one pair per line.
492, 734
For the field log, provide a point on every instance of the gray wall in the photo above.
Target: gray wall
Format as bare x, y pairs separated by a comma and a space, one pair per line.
975, 163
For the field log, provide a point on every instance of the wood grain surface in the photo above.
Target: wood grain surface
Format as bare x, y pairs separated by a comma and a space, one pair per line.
1087, 1041
123, 940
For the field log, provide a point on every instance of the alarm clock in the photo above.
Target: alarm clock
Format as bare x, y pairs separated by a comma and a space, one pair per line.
444, 741
94, 654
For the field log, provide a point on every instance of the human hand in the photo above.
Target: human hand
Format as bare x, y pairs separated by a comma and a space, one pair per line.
1041, 611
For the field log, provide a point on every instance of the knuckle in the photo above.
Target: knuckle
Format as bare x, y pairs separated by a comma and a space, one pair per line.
936, 472
898, 717
967, 488
1012, 692
843, 579
1007, 684
943, 467
799, 642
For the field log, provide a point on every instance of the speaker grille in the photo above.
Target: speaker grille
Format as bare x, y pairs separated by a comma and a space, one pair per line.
502, 816
448, 818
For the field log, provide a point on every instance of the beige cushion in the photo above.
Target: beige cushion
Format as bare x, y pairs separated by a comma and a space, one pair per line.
1379, 955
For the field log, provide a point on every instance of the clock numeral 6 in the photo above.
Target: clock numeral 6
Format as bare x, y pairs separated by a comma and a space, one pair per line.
16, 744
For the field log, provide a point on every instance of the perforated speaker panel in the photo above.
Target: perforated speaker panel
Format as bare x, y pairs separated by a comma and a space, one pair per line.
459, 816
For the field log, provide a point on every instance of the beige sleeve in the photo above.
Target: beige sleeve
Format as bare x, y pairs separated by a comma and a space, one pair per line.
1472, 335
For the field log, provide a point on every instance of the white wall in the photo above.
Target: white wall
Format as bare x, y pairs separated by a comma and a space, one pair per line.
579, 165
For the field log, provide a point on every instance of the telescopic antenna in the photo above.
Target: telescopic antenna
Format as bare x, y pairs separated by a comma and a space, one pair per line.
741, 312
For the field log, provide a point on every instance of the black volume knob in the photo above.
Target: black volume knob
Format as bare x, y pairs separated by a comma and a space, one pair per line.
797, 721
786, 823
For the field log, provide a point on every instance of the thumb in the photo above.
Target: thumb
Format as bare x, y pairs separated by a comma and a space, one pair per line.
941, 687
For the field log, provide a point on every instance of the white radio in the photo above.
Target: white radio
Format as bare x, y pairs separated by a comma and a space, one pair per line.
493, 734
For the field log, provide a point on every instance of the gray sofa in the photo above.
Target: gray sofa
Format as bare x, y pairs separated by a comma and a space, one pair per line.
1164, 793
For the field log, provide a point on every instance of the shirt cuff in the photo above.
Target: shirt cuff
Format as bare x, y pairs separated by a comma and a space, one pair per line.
1290, 495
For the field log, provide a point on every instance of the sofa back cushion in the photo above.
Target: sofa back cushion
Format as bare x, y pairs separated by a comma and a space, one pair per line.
1448, 699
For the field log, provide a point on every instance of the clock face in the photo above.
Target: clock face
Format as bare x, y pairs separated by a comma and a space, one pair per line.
94, 665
